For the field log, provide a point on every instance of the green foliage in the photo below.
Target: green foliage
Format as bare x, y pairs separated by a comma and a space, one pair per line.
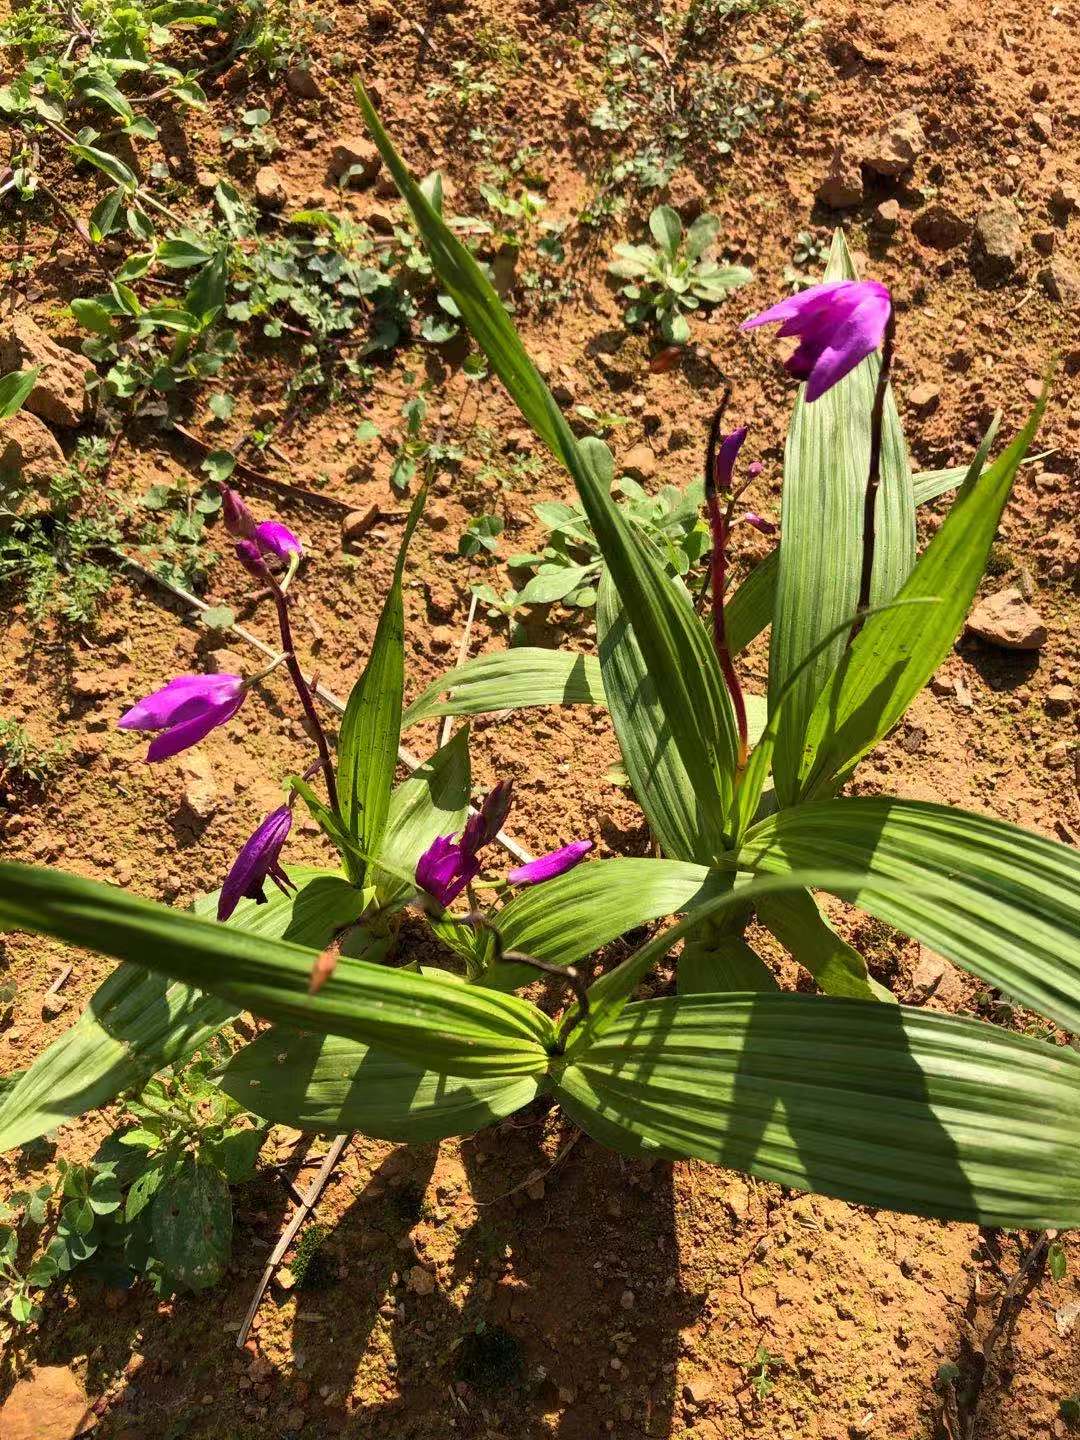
22, 760
311, 1266
675, 275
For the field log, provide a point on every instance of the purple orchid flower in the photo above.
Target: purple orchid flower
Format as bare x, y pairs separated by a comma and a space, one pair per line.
257, 863
276, 539
838, 324
728, 453
447, 866
767, 527
546, 867
185, 710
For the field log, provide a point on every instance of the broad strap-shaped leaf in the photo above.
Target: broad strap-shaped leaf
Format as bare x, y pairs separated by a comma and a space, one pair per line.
574, 914
721, 962
609, 994
432, 801
441, 1024
371, 726
674, 643
330, 1084
801, 928
137, 1023
826, 465
874, 1104
511, 680
896, 652
1000, 901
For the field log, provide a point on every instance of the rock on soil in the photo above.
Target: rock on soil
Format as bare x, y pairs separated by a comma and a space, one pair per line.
896, 146
842, 187
934, 975
1006, 619
1061, 281
301, 83
887, 216
201, 796
1059, 699
60, 393
639, 463
357, 523
940, 227
49, 1404
998, 237
357, 154
1065, 197
269, 190
924, 398
29, 458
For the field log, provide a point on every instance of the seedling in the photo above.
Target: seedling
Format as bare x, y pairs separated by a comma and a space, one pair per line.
674, 277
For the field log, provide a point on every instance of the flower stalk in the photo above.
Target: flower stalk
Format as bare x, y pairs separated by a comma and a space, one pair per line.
873, 480
719, 466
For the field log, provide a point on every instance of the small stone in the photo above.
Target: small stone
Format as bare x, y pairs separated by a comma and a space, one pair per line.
301, 83
357, 523
201, 796
639, 463
59, 396
535, 1188
897, 145
698, 1391
1065, 197
49, 1404
1061, 281
420, 1281
1043, 126
224, 662
442, 639
924, 398
437, 518
1059, 699
941, 227
1006, 619
269, 189
357, 158
52, 1005
934, 975
998, 236
1044, 241
206, 179
842, 186
1039, 90
285, 1278
627, 1300
737, 1199
887, 216
30, 458
381, 221
941, 685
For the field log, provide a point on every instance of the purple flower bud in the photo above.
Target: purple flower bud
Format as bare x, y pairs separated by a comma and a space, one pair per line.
724, 467
546, 867
276, 539
754, 469
257, 863
250, 557
447, 866
186, 710
838, 325
759, 523
238, 519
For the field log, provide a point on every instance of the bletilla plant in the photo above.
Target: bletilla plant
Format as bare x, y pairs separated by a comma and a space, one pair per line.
842, 1091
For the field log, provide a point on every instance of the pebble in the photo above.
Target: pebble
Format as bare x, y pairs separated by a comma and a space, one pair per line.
357, 523
1006, 619
1061, 281
896, 146
887, 216
1059, 699
924, 398
639, 463
269, 189
998, 236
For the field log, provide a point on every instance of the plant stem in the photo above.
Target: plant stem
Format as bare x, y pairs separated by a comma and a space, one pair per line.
720, 525
873, 481
302, 689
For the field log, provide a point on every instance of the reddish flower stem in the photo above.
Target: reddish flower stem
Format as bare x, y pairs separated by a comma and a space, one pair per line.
303, 691
720, 525
873, 481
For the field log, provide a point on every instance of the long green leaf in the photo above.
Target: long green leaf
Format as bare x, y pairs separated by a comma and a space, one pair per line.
137, 1023
371, 726
825, 473
432, 801
330, 1084
15, 390
874, 1104
1000, 901
511, 680
722, 962
897, 651
657, 774
801, 928
569, 917
673, 641
454, 1028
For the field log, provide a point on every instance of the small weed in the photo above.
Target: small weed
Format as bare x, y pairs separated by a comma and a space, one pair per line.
22, 761
674, 276
311, 1265
762, 1369
807, 260
490, 1358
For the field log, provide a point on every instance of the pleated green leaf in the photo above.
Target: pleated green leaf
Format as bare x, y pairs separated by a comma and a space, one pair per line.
1000, 901
672, 639
371, 726
330, 1084
432, 801
826, 465
511, 680
801, 928
897, 651
136, 1023
722, 962
436, 1023
874, 1104
569, 917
